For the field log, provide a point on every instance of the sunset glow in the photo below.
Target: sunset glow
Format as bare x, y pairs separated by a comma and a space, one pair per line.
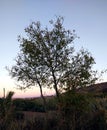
10, 85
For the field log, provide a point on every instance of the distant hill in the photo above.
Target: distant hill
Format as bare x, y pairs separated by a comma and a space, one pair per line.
99, 87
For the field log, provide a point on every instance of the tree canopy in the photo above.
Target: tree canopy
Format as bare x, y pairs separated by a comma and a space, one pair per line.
47, 58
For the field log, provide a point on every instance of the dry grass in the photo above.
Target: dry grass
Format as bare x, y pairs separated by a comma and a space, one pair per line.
28, 115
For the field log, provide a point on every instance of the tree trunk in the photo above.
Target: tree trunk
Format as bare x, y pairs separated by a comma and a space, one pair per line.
55, 86
44, 101
57, 92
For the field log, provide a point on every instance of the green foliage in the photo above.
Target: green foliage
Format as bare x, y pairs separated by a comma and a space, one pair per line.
73, 108
35, 105
43, 56
28, 105
79, 72
75, 101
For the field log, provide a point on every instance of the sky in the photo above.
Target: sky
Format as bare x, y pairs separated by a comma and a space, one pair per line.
87, 17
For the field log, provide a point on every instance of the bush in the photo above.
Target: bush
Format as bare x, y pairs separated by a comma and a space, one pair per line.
28, 105
77, 112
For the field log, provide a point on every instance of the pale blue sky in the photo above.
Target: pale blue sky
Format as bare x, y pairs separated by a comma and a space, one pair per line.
87, 17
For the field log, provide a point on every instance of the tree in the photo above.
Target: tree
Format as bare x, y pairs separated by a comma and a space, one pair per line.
43, 55
47, 58
79, 72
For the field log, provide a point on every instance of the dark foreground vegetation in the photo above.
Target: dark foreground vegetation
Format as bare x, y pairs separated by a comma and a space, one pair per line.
76, 111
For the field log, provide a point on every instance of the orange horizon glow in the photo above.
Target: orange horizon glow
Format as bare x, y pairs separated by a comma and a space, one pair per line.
9, 85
